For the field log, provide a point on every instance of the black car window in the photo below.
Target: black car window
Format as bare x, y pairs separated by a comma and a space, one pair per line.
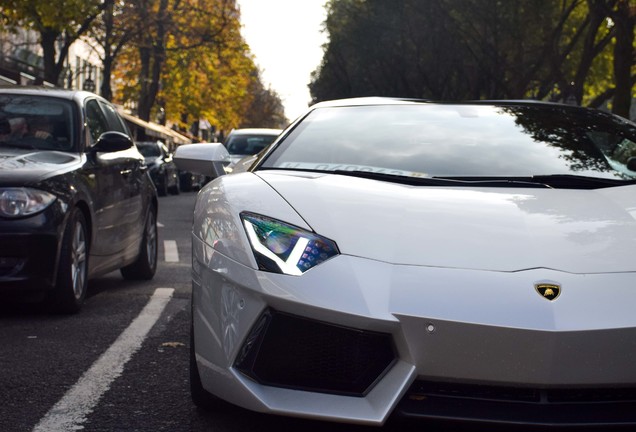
115, 123
96, 120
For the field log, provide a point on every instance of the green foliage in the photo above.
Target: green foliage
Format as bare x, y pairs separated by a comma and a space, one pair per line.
265, 110
58, 15
186, 56
204, 68
470, 49
58, 23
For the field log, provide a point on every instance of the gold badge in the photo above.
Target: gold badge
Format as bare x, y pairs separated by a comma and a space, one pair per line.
548, 291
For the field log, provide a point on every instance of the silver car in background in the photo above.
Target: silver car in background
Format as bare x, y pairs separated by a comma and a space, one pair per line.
242, 143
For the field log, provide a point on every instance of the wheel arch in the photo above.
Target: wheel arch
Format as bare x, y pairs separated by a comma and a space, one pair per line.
84, 208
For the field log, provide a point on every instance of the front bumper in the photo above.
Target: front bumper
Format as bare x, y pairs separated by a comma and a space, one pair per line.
571, 407
29, 250
483, 337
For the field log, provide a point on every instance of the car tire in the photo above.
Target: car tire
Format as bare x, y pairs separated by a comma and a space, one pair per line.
145, 266
162, 187
72, 273
176, 189
200, 396
186, 183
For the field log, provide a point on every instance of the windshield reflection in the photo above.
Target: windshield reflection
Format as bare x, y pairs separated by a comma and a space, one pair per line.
461, 140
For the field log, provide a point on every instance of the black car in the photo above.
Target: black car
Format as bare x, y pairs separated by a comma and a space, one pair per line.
190, 181
76, 200
163, 171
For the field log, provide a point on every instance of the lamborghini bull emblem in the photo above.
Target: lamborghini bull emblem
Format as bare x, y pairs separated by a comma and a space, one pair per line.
548, 291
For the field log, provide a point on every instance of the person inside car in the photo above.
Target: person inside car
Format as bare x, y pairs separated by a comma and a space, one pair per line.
41, 127
5, 129
13, 128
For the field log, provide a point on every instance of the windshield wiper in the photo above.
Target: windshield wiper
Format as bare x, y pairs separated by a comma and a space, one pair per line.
445, 181
509, 182
553, 181
395, 178
571, 181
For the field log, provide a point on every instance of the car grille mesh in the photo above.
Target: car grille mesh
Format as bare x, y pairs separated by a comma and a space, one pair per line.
10, 266
484, 403
520, 394
289, 351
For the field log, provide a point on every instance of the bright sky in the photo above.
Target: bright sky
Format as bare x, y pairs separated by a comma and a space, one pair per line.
286, 40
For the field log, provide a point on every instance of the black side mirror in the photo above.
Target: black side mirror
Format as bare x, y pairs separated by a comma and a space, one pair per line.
112, 142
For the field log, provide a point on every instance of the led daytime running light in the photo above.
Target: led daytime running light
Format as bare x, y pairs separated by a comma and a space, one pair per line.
291, 250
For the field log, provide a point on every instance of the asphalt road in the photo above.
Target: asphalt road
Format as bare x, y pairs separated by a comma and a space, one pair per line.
88, 372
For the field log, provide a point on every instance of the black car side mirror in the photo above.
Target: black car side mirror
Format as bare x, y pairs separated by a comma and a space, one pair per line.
112, 142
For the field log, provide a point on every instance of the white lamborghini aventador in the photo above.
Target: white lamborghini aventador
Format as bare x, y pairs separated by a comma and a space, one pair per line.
385, 257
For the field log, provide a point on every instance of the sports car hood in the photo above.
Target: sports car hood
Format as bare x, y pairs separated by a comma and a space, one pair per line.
496, 229
19, 167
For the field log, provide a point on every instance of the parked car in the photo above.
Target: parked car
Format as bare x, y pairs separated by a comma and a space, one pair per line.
163, 171
75, 202
191, 181
247, 142
469, 261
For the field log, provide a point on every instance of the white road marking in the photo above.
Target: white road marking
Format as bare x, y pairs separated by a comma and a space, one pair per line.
170, 251
68, 414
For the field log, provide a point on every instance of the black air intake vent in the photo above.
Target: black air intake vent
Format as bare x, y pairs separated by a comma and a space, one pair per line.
293, 352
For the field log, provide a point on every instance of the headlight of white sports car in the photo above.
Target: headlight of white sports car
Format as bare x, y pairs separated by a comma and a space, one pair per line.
20, 202
282, 248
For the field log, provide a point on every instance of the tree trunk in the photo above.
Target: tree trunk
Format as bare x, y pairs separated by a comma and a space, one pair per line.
623, 59
152, 59
105, 89
51, 72
143, 107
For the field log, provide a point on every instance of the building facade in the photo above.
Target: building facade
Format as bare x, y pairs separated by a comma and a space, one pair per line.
22, 63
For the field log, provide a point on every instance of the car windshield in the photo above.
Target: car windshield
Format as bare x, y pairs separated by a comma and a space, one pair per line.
36, 123
148, 149
244, 144
460, 141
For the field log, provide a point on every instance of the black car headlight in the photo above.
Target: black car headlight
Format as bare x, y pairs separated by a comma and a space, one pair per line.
21, 202
282, 248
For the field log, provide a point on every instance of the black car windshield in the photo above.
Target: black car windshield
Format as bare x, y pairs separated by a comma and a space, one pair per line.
36, 123
460, 141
